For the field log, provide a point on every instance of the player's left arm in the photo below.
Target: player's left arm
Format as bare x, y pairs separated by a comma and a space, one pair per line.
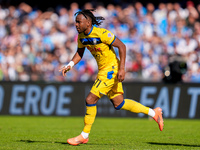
122, 54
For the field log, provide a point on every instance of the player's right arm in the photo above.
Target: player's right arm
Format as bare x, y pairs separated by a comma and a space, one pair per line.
77, 57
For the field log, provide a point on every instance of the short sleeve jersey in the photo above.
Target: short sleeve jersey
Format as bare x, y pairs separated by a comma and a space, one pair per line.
99, 43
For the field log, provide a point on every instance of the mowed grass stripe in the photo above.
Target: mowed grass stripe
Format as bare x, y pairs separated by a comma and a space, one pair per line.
51, 133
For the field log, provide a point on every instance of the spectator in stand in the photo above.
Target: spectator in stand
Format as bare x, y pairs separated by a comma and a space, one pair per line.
33, 43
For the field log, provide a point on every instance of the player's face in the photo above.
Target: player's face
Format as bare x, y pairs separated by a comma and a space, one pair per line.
82, 24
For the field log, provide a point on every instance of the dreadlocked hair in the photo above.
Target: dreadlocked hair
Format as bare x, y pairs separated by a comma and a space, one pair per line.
88, 13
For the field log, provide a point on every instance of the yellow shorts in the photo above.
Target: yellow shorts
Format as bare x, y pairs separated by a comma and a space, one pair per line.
107, 85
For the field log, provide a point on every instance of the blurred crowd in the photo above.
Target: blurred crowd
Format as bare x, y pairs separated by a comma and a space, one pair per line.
35, 44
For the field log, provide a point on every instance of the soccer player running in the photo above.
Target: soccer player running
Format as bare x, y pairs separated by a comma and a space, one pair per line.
100, 42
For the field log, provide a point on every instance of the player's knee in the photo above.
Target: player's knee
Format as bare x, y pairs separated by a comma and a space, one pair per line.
90, 99
118, 107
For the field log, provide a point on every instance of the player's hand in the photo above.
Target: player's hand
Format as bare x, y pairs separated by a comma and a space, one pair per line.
65, 69
121, 75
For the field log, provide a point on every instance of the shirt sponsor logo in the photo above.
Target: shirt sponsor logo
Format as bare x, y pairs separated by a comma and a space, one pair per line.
94, 49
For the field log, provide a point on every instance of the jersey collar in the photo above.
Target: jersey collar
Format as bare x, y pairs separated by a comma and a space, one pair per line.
90, 31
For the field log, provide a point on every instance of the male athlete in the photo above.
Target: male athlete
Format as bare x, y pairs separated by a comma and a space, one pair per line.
100, 42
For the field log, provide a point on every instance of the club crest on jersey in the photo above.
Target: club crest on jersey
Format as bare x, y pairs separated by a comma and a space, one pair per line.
94, 41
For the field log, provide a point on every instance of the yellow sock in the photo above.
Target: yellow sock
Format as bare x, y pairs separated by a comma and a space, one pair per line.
90, 115
135, 107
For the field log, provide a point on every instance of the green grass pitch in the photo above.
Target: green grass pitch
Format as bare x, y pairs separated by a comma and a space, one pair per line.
51, 133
